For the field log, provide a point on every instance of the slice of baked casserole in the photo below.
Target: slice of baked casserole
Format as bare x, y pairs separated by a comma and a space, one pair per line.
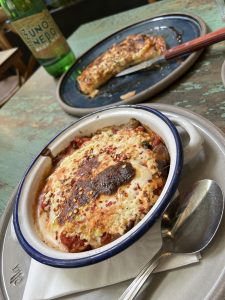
134, 49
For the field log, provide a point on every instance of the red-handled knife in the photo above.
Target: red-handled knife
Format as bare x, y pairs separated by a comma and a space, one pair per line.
185, 48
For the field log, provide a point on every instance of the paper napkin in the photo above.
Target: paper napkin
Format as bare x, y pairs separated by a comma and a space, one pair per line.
45, 282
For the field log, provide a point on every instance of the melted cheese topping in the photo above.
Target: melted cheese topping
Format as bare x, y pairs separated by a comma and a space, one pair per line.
101, 189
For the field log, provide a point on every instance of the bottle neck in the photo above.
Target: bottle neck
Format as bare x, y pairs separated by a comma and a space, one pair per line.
16, 9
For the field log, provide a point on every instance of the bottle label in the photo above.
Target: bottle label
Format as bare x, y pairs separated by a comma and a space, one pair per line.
41, 35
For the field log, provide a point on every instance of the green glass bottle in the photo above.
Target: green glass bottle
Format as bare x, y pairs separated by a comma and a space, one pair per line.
35, 25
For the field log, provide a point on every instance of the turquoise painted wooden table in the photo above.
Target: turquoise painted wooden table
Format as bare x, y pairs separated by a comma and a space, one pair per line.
33, 115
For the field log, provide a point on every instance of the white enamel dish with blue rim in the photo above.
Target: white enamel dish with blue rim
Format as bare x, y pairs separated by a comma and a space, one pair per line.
40, 167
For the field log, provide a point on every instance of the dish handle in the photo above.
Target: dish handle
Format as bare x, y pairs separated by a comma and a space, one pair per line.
195, 142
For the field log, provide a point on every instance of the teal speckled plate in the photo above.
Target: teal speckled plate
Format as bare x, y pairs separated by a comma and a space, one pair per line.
176, 28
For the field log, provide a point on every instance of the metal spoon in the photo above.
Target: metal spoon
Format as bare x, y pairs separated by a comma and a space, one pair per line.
187, 226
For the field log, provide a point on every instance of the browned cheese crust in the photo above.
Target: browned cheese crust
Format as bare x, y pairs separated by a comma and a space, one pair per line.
133, 50
101, 186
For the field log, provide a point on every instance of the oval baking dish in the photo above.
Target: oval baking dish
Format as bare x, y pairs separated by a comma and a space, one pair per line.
23, 218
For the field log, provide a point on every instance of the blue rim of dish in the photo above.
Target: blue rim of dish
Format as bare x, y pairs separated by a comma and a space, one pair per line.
95, 258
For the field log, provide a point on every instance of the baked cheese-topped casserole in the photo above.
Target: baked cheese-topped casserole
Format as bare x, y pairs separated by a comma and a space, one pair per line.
101, 186
134, 49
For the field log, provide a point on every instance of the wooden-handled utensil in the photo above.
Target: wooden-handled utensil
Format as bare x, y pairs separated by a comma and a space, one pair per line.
185, 48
